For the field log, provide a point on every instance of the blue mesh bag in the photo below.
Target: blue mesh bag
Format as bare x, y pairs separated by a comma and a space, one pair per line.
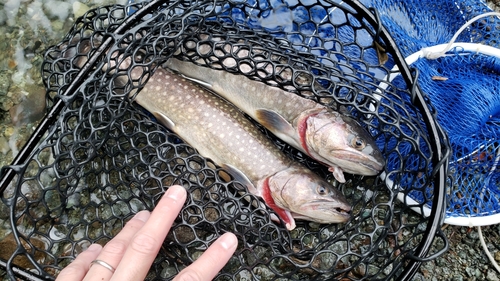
463, 83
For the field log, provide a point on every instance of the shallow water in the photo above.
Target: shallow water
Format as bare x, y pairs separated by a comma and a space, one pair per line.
27, 29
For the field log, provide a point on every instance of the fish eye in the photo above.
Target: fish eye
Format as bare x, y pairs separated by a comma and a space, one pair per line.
358, 143
321, 190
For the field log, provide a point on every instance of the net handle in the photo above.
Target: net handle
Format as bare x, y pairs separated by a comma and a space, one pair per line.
23, 274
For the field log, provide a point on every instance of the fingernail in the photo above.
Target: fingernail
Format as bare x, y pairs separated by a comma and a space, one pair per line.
94, 248
176, 192
228, 241
142, 215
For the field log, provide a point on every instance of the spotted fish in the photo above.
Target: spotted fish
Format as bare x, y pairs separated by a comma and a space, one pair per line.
332, 138
221, 132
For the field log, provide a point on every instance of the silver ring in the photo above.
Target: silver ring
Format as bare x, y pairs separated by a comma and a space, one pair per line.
104, 264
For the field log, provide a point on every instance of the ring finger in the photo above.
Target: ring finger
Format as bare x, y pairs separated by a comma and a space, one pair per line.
113, 252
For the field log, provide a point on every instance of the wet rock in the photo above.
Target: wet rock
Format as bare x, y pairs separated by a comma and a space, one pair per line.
9, 245
418, 277
79, 9
4, 147
9, 131
4, 83
59, 9
6, 103
31, 109
473, 235
491, 275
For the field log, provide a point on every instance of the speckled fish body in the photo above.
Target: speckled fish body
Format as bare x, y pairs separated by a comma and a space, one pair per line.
222, 133
332, 138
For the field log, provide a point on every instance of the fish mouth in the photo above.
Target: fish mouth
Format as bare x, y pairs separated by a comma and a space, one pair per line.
375, 167
342, 214
351, 163
337, 217
337, 214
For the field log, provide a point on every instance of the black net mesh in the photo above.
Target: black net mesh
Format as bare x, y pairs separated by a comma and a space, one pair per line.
104, 158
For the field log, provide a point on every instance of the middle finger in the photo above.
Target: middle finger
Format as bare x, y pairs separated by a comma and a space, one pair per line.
145, 245
113, 251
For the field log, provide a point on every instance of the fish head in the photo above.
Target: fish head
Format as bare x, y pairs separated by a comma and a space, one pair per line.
340, 141
307, 196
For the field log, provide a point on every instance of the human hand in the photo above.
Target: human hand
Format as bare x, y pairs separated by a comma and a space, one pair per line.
134, 249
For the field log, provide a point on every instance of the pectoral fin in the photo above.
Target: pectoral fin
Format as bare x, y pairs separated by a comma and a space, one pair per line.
164, 120
274, 122
337, 173
240, 177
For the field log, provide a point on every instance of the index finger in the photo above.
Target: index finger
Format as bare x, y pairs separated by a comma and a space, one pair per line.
146, 243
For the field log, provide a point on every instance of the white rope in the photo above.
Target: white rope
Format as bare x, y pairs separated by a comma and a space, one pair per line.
485, 248
434, 55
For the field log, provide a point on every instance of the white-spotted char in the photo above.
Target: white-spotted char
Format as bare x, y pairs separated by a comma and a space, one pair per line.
221, 132
332, 138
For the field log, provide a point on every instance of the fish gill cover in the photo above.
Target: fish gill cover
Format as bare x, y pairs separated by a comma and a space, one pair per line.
104, 158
